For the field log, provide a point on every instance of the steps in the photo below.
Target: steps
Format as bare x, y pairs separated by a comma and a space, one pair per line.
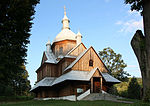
85, 94
101, 96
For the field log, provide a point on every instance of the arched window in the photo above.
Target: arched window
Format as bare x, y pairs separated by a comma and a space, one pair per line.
90, 62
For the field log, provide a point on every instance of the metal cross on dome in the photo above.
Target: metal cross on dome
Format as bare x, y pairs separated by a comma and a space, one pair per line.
64, 10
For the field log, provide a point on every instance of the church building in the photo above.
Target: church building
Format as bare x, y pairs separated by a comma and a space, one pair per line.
70, 69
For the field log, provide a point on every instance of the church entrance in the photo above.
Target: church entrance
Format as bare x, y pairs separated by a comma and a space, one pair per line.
96, 84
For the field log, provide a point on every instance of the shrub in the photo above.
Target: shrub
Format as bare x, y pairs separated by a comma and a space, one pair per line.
134, 89
5, 90
15, 98
113, 90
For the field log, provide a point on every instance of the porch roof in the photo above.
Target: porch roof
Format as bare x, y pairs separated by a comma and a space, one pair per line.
74, 75
109, 78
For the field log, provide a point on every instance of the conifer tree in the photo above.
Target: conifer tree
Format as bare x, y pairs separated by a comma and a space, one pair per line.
15, 24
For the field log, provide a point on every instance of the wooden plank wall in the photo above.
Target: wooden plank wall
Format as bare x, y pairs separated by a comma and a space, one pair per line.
67, 45
83, 63
78, 50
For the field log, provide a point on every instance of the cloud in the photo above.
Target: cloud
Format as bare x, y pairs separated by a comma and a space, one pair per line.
130, 25
135, 73
119, 23
132, 66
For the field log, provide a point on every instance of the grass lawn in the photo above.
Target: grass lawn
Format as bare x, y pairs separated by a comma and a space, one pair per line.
70, 103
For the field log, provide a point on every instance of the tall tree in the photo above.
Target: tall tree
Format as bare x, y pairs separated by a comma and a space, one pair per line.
15, 22
114, 63
141, 43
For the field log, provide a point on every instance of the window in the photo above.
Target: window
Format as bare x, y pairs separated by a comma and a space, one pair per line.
79, 90
61, 50
91, 62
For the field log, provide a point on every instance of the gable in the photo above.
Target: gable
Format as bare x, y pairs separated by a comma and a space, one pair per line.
97, 73
83, 63
77, 50
44, 58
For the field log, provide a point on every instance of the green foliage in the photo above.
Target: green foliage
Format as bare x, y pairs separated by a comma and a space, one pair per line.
122, 88
5, 90
15, 24
113, 90
22, 84
15, 98
114, 63
135, 4
134, 89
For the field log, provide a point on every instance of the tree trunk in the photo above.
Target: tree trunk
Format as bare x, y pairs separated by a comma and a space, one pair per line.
141, 47
146, 20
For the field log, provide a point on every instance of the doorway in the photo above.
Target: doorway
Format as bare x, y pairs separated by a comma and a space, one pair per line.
96, 84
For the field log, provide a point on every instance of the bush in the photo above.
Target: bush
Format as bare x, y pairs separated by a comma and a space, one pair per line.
5, 90
113, 90
134, 89
15, 98
123, 94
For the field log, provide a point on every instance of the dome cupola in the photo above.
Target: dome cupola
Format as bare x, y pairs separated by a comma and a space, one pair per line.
66, 33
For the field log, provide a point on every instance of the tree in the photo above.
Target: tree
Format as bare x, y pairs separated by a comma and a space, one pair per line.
15, 22
114, 63
141, 43
134, 89
22, 84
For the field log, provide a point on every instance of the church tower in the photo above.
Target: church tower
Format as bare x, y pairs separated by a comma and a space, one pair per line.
65, 40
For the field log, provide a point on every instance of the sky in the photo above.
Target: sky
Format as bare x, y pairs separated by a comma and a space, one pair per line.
102, 23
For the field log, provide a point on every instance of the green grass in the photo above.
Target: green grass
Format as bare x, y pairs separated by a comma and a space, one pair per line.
70, 103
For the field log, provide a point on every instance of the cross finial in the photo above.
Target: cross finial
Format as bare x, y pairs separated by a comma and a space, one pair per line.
64, 10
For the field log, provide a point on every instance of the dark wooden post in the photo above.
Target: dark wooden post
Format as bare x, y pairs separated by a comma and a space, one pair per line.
75, 94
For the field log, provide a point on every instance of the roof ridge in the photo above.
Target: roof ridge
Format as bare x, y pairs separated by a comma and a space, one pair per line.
50, 57
73, 48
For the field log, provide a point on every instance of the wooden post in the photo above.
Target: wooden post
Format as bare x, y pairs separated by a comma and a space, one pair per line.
92, 85
75, 94
101, 83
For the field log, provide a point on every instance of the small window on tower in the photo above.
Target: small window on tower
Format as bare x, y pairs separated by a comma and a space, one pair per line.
91, 62
61, 50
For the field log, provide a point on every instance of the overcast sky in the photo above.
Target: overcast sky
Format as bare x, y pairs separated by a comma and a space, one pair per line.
102, 23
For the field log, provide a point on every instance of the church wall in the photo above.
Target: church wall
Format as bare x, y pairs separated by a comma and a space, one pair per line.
41, 73
78, 50
47, 70
65, 91
63, 64
63, 47
83, 63
70, 87
51, 70
66, 63
46, 92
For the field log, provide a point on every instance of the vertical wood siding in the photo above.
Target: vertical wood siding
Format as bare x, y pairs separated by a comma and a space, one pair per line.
83, 63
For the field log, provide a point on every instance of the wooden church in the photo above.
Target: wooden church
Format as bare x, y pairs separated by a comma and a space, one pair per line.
69, 69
